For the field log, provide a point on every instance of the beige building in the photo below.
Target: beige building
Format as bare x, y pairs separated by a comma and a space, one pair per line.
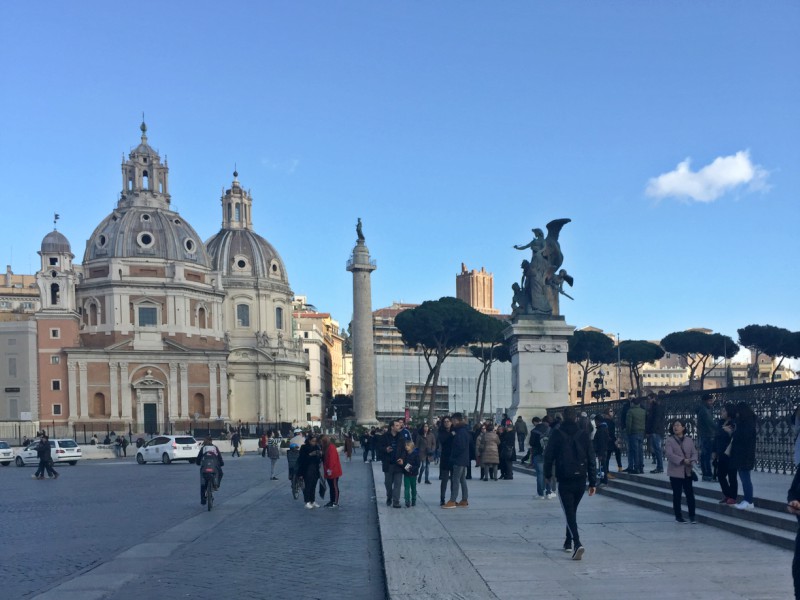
476, 288
157, 331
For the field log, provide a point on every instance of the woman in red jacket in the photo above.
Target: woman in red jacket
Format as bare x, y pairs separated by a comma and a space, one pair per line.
333, 470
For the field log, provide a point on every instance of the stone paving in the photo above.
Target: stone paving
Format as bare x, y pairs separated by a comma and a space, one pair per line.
507, 545
114, 529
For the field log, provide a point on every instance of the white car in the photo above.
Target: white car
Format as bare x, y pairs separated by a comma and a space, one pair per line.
61, 451
166, 448
6, 454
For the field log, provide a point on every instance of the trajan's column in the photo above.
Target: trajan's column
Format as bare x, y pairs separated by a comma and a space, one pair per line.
365, 388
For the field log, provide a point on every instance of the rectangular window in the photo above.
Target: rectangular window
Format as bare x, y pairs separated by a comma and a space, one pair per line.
308, 385
308, 416
148, 316
55, 385
55, 334
12, 366
56, 410
242, 315
308, 401
55, 359
53, 262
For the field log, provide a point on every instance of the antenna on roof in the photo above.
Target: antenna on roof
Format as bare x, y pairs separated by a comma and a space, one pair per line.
56, 217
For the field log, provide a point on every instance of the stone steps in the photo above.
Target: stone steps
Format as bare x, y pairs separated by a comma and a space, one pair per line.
768, 523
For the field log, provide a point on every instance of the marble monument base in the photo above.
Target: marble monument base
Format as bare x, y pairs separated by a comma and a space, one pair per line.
539, 375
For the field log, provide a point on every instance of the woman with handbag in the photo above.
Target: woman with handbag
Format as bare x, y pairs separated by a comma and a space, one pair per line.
743, 451
681, 457
721, 455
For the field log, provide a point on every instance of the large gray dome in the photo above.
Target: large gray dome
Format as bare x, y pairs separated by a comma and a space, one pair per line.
56, 242
146, 232
243, 253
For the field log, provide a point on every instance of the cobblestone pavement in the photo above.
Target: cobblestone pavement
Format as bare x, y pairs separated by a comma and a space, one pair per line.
114, 529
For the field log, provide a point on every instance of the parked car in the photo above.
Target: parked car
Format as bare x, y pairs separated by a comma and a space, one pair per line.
166, 448
6, 454
62, 451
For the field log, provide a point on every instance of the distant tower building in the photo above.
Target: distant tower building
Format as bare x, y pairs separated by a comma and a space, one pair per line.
365, 389
476, 289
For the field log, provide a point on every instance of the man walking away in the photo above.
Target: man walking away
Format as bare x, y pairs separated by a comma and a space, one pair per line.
539, 438
635, 425
522, 432
706, 431
235, 440
571, 451
459, 458
393, 450
655, 431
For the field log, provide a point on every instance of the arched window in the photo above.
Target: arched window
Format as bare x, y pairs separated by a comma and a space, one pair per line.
279, 318
230, 209
242, 315
92, 315
145, 181
198, 406
98, 408
237, 211
201, 318
54, 294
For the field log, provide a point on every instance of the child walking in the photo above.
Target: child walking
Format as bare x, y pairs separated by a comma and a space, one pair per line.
410, 472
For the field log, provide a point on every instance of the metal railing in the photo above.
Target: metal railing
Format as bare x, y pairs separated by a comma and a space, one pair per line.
773, 404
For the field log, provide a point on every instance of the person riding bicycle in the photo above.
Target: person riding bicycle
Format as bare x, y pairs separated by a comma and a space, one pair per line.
209, 457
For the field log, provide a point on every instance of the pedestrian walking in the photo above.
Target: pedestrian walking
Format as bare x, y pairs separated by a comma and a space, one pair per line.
236, 439
570, 451
490, 453
425, 443
459, 462
348, 446
308, 463
273, 453
411, 470
43, 453
445, 445
600, 441
507, 451
262, 444
521, 429
333, 470
681, 457
540, 436
393, 452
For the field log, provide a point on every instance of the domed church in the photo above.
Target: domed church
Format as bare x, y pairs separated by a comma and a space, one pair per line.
157, 331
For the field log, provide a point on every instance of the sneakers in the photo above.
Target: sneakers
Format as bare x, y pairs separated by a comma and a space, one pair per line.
730, 501
331, 505
274, 478
309, 505
541, 497
315, 505
578, 553
745, 505
657, 471
568, 546
388, 502
462, 504
449, 504
408, 503
428, 482
414, 502
692, 520
396, 505
552, 495
328, 504
680, 520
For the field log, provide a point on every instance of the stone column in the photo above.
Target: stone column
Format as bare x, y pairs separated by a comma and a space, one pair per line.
538, 365
213, 408
223, 392
173, 390
84, 390
365, 390
261, 378
184, 389
73, 391
127, 405
113, 382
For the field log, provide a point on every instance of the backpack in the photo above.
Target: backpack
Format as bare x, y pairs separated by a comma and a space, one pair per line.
543, 440
210, 460
571, 461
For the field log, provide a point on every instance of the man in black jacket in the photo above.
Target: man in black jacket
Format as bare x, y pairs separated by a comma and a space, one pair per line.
459, 458
570, 448
45, 457
654, 429
393, 451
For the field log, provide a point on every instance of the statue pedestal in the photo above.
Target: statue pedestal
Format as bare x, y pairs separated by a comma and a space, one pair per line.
538, 365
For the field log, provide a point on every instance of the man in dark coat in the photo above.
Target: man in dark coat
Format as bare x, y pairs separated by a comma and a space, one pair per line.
706, 430
459, 459
570, 449
654, 429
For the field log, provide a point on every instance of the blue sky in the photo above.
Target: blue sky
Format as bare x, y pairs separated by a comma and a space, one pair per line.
667, 131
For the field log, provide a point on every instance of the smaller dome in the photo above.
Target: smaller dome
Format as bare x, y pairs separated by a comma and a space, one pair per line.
56, 242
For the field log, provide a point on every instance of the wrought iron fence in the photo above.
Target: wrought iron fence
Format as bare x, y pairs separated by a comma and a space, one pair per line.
773, 404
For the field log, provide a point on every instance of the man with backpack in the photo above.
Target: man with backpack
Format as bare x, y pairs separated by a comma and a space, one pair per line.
209, 457
540, 435
571, 450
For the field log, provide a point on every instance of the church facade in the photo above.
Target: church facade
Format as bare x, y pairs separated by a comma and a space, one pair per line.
156, 330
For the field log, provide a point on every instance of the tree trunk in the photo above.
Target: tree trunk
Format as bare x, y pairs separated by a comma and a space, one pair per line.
775, 370
432, 408
477, 391
424, 390
486, 370
585, 377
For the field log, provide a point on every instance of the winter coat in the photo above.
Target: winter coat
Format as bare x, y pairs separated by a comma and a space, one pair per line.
655, 419
540, 431
308, 462
743, 449
330, 462
459, 453
489, 448
556, 449
721, 439
601, 441
411, 468
426, 444
677, 450
445, 445
705, 422
635, 420
508, 444
396, 443
521, 427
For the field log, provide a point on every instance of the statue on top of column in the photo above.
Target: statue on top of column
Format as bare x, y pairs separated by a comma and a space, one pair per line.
542, 282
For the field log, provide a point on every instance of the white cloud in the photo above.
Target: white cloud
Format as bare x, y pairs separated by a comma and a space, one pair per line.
724, 174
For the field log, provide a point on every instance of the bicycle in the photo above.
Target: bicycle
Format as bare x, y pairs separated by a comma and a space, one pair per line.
210, 476
296, 487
